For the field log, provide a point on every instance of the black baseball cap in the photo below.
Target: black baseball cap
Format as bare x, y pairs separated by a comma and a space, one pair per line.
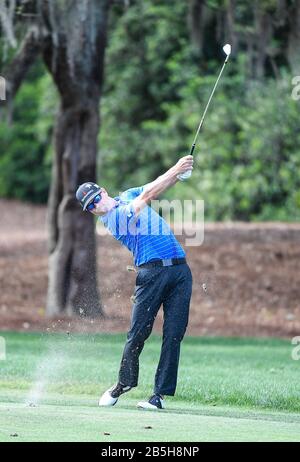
86, 193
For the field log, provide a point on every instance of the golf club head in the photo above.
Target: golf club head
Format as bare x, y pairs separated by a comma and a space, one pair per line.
227, 50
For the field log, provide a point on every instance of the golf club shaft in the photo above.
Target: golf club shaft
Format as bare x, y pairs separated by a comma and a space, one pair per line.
207, 106
186, 175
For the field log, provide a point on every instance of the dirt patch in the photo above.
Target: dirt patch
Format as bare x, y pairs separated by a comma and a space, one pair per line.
246, 278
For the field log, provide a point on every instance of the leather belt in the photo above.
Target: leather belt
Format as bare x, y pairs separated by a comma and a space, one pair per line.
167, 262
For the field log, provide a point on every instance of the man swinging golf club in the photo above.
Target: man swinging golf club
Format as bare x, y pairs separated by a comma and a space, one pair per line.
163, 274
163, 278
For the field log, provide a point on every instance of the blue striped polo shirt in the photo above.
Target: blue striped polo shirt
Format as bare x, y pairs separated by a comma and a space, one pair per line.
147, 236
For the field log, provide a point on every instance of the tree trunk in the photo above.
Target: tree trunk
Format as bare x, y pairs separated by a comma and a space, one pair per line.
195, 24
294, 37
230, 35
76, 64
263, 34
72, 287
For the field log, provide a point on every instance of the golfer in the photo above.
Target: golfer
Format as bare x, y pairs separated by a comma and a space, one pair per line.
163, 278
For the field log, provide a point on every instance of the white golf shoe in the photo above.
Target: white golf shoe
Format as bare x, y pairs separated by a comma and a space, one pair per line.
154, 403
111, 396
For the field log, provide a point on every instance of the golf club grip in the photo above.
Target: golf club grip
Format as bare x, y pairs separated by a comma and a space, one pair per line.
184, 176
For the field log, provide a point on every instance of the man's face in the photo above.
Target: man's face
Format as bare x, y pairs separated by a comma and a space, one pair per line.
102, 207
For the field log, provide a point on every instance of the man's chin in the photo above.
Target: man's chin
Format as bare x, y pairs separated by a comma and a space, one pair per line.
99, 213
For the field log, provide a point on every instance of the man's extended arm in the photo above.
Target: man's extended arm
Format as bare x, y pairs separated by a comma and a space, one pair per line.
162, 183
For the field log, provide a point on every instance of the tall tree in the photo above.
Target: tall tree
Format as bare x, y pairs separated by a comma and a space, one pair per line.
294, 36
70, 36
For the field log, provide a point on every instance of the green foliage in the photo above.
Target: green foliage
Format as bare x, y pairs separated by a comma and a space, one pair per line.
247, 161
156, 88
142, 50
247, 155
26, 150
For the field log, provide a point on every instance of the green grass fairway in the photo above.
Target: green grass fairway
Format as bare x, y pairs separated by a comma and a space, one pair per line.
228, 390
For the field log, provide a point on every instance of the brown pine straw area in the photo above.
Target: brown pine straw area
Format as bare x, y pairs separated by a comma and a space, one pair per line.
246, 279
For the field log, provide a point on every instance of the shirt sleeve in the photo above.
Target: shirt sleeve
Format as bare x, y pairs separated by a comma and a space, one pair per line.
132, 193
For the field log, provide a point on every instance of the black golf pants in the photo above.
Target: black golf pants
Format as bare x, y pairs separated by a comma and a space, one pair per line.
170, 286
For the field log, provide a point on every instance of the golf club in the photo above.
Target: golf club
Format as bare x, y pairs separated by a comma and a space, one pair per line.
227, 51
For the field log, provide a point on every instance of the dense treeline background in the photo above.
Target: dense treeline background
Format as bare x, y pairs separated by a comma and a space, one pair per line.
162, 59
